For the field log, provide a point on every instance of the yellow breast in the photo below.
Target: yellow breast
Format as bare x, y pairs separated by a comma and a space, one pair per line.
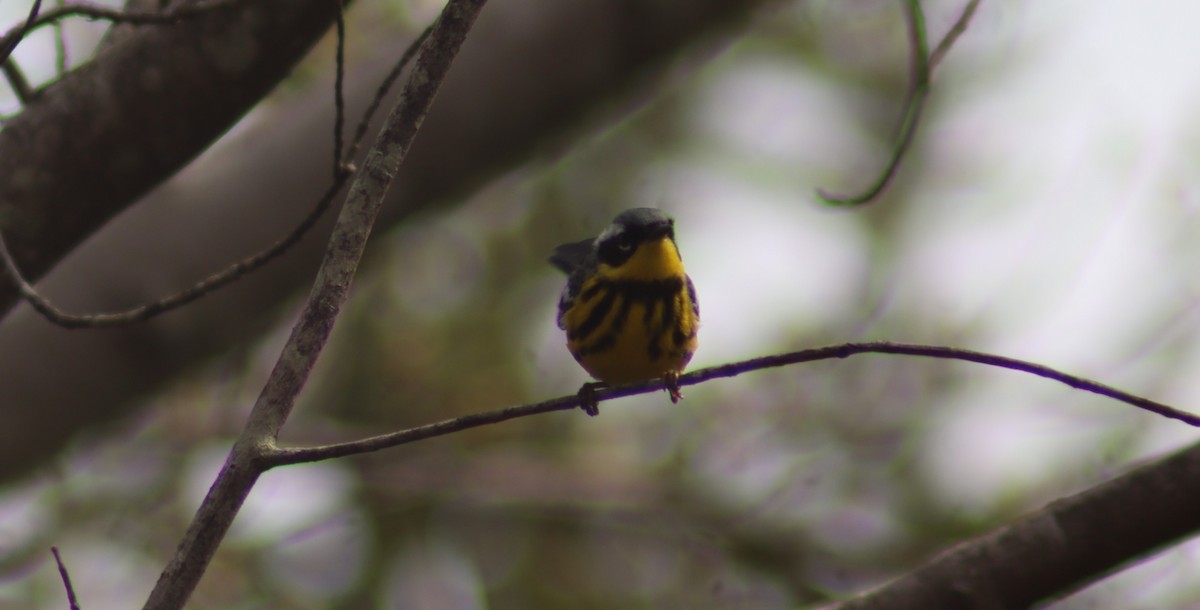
635, 322
636, 342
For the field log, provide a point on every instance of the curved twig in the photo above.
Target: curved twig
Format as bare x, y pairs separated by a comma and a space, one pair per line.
922, 64
343, 170
144, 312
285, 456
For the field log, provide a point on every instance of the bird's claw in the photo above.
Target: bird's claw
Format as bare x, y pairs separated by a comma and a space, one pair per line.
671, 384
587, 398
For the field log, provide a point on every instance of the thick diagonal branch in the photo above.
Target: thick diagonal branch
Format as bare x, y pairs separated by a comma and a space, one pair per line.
1059, 549
342, 255
109, 131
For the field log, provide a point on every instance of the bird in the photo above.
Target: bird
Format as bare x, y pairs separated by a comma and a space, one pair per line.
629, 308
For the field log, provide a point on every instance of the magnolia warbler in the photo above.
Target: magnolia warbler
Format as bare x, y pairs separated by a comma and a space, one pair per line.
629, 308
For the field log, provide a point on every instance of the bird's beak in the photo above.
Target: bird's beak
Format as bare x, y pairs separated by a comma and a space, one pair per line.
662, 229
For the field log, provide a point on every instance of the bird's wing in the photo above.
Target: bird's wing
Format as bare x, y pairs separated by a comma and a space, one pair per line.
569, 257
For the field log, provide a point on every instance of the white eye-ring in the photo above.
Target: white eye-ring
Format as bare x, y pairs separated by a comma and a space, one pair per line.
624, 245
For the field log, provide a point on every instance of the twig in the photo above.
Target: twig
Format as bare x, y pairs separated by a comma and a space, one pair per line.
10, 41
329, 292
72, 601
956, 30
147, 311
237, 270
98, 12
12, 72
17, 81
921, 63
339, 99
284, 456
385, 85
60, 45
103, 13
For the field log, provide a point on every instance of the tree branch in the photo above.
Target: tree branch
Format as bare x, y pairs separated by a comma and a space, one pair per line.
960, 25
57, 190
299, 355
147, 311
921, 71
16, 78
141, 313
72, 601
10, 41
1060, 549
285, 456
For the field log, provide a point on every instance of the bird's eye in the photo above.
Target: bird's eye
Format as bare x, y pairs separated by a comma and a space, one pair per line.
625, 244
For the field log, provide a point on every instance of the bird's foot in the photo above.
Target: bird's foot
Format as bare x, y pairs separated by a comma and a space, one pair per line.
587, 397
671, 384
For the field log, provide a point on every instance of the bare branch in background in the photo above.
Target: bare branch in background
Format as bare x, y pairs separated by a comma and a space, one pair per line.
142, 313
1059, 549
72, 601
921, 71
107, 104
10, 41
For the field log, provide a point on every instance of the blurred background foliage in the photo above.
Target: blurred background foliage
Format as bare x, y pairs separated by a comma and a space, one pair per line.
1045, 212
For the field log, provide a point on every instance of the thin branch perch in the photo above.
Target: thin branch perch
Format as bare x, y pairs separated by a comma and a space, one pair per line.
285, 456
1045, 555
